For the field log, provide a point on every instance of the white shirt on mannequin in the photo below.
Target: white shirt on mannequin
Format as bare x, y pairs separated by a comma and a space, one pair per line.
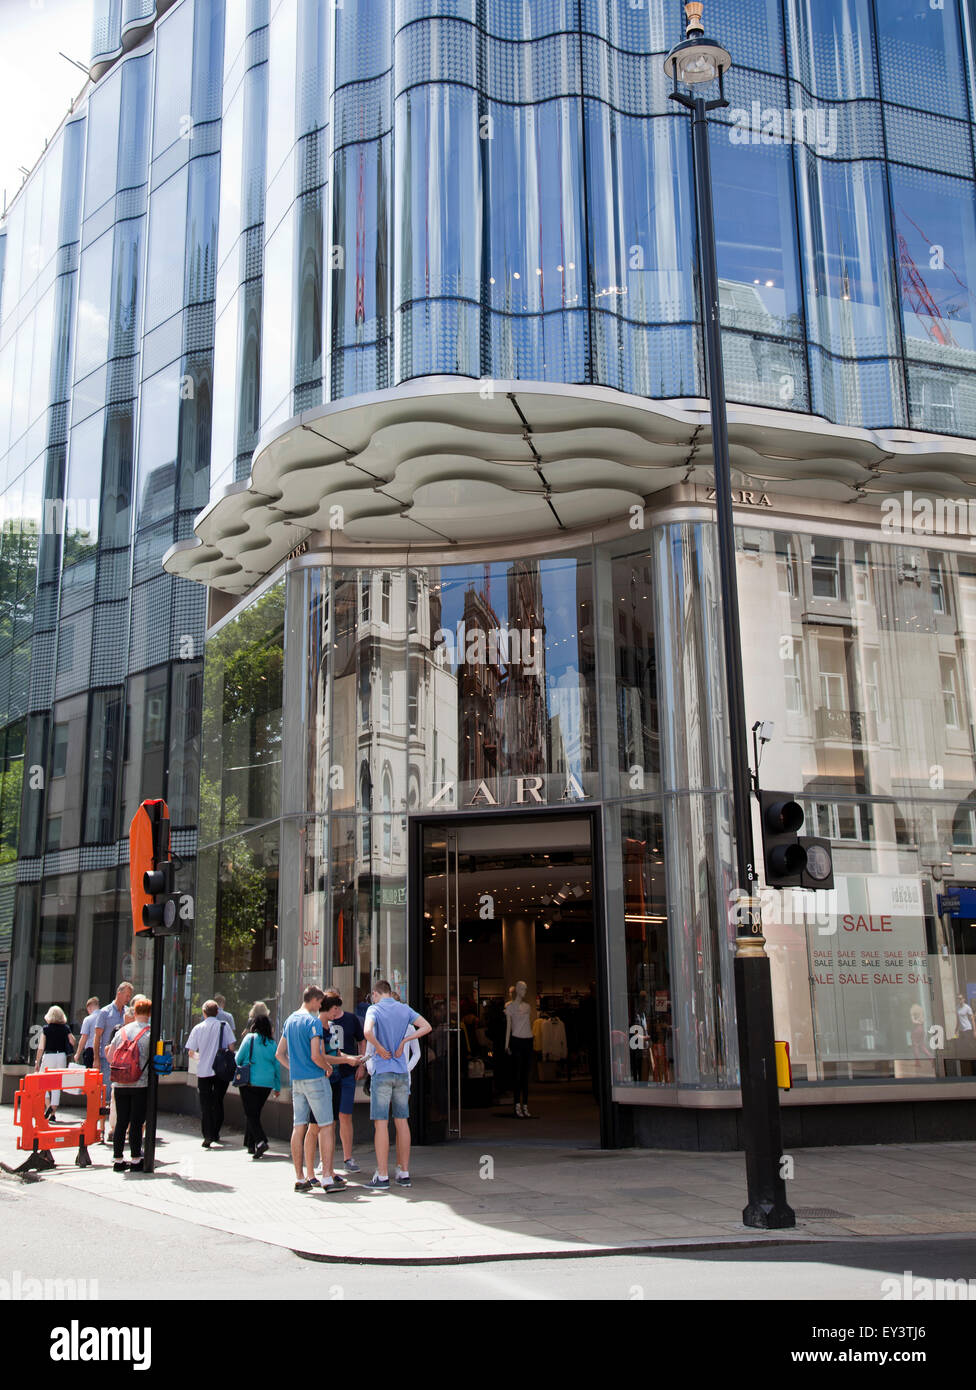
520, 1018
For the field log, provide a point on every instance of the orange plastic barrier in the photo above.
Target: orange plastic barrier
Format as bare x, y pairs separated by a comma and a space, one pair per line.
41, 1136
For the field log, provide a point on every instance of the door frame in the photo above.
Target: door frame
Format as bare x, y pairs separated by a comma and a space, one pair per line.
458, 820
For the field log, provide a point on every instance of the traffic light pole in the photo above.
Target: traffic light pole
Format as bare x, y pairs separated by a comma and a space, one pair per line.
767, 1207
152, 1099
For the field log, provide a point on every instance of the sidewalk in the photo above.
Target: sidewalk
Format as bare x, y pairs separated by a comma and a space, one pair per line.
537, 1201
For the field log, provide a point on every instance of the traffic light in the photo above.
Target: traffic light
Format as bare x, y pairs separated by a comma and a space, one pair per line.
163, 913
785, 856
819, 871
792, 860
155, 903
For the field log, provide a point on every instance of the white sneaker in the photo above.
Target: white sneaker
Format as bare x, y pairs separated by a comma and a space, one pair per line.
518, 1111
525, 1113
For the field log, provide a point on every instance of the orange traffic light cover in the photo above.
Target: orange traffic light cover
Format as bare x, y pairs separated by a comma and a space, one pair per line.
141, 859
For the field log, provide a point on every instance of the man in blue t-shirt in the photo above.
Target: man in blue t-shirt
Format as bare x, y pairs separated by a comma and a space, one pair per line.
388, 1026
302, 1051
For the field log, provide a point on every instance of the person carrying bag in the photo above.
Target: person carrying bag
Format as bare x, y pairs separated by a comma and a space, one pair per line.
258, 1074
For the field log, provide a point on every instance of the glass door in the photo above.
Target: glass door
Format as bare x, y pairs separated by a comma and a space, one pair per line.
442, 984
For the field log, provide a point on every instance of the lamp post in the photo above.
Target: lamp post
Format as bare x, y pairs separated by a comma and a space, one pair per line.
698, 62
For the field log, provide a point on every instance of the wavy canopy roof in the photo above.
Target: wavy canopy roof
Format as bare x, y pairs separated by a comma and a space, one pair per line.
443, 461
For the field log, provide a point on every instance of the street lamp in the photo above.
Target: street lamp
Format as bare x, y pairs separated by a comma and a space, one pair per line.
697, 62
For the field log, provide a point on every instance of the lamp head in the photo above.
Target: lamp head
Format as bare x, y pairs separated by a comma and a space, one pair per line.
697, 60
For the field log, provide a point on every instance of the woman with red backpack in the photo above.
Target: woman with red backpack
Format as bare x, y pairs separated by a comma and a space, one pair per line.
129, 1061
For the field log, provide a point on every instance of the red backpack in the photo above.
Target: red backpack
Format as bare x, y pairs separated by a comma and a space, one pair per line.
125, 1066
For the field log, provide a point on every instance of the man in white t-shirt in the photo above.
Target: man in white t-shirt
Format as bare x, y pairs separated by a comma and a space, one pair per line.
205, 1040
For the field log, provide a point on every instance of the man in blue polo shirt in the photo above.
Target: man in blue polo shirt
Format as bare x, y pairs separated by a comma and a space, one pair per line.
388, 1026
302, 1051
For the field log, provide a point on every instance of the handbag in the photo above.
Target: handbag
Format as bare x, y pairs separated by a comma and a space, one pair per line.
242, 1071
224, 1062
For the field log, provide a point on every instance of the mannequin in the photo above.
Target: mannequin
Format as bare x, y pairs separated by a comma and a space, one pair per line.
518, 1044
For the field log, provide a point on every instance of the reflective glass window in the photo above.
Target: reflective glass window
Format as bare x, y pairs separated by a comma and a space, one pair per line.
144, 751
167, 250
101, 162
201, 228
832, 47
507, 684
439, 197
174, 68
361, 229
756, 237
844, 222
535, 241
94, 305
921, 55
104, 766
240, 783
158, 436
935, 229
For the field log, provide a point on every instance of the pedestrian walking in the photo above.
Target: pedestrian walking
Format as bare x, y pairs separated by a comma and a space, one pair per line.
348, 1038
52, 1051
222, 1013
129, 1062
388, 1026
257, 1054
207, 1038
302, 1051
85, 1053
107, 1020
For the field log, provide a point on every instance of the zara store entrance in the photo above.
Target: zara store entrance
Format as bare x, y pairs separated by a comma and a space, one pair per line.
508, 937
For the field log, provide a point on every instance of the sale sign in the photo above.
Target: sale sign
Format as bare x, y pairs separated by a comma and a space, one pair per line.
870, 980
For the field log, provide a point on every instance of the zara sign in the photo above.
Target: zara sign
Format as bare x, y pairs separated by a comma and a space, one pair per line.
528, 791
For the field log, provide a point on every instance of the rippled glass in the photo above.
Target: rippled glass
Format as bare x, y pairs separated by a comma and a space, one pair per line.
174, 45
935, 230
847, 247
920, 51
240, 780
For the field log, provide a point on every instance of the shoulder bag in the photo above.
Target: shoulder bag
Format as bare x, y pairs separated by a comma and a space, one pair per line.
224, 1062
242, 1071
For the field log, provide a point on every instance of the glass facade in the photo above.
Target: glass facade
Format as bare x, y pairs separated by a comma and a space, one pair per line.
261, 208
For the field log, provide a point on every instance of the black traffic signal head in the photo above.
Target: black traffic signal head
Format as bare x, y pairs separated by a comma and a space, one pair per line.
162, 914
785, 856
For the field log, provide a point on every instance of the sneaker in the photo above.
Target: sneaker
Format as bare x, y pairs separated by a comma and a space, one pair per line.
378, 1184
303, 1186
136, 1166
403, 1179
120, 1167
206, 1144
260, 1148
335, 1184
351, 1166
518, 1111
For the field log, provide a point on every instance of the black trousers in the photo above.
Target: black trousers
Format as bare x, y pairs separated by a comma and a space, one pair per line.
521, 1062
130, 1114
252, 1099
212, 1092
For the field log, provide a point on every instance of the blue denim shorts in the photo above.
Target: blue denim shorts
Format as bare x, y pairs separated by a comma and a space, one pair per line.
312, 1100
344, 1095
386, 1088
